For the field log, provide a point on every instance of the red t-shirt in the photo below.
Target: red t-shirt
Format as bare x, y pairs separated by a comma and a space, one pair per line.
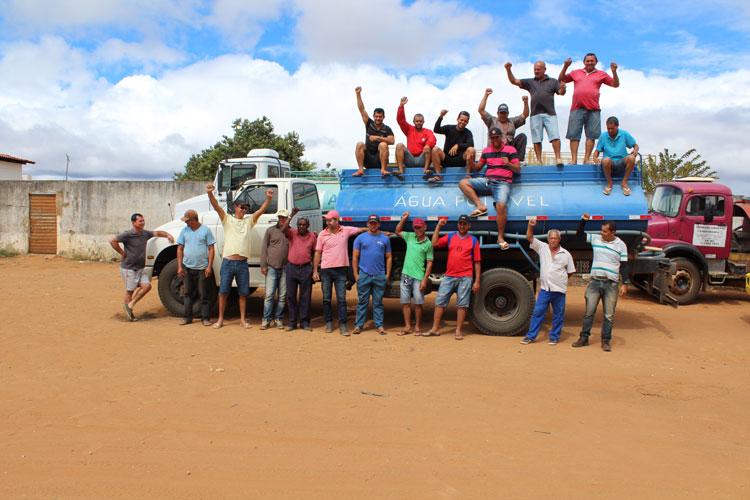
415, 141
300, 249
460, 261
586, 90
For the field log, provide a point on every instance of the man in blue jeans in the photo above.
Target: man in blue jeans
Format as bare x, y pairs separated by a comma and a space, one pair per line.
610, 260
555, 266
371, 262
332, 259
273, 261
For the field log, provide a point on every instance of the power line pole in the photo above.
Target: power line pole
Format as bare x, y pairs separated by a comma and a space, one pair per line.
67, 166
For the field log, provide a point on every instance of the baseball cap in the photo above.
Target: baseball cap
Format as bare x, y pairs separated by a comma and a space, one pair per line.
283, 213
190, 214
373, 218
495, 131
502, 107
332, 214
464, 218
418, 222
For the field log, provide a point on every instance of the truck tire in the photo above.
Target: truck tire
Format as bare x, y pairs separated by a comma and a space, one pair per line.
170, 291
686, 282
504, 303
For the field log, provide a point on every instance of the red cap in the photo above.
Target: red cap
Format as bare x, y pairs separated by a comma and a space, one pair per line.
418, 222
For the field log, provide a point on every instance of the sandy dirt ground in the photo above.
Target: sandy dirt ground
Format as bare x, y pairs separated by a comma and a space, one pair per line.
94, 406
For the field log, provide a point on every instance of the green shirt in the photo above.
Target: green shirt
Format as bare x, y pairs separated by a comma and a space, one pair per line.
416, 255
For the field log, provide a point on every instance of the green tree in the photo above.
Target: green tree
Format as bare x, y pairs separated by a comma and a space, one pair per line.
247, 135
668, 166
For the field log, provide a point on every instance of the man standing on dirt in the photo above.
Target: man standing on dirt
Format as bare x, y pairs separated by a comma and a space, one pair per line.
419, 142
458, 150
415, 274
610, 260
132, 266
585, 110
507, 125
195, 258
555, 267
373, 153
274, 255
332, 258
371, 263
237, 230
464, 260
542, 89
299, 272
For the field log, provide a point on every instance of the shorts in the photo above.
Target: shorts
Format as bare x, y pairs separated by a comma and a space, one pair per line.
372, 160
462, 287
541, 122
238, 270
454, 161
134, 277
579, 118
411, 161
618, 166
500, 190
410, 289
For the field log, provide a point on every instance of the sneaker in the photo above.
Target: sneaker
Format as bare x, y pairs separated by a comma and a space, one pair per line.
582, 341
307, 328
605, 346
329, 327
265, 325
280, 325
552, 342
527, 340
343, 330
289, 328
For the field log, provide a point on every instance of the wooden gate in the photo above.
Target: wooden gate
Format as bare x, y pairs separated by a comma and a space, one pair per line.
43, 223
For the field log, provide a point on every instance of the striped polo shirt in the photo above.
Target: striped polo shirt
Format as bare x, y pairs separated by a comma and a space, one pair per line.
496, 168
607, 256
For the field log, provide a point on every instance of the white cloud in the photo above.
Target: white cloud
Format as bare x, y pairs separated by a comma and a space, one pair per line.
240, 20
150, 53
145, 127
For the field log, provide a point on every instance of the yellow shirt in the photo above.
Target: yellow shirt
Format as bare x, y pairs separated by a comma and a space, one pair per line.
237, 235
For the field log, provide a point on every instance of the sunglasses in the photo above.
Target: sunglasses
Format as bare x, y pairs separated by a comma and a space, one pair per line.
243, 207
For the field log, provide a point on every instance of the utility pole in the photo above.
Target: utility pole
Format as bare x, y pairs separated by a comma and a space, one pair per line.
67, 166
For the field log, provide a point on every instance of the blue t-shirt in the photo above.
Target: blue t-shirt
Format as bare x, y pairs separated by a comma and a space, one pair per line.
372, 250
196, 246
616, 148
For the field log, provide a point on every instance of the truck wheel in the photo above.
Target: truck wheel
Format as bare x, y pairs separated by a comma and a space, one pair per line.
504, 303
170, 291
686, 281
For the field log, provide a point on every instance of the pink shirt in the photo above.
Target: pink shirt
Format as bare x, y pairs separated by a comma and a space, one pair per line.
300, 249
586, 90
334, 247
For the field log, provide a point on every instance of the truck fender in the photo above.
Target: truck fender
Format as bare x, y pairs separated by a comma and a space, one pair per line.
682, 249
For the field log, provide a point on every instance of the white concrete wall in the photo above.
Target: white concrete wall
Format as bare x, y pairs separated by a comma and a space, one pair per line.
10, 171
89, 213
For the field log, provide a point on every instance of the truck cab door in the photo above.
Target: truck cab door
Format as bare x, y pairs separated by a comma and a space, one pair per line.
706, 224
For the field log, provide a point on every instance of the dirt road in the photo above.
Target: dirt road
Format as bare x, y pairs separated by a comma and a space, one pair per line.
96, 407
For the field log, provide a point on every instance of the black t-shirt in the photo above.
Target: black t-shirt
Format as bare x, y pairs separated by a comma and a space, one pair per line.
542, 94
464, 138
385, 131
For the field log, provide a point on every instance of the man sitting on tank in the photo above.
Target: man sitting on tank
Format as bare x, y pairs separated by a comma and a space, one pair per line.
502, 162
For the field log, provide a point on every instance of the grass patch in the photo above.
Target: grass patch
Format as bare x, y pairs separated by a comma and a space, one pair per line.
8, 253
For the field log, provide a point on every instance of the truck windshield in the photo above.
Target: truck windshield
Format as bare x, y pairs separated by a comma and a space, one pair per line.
666, 201
240, 172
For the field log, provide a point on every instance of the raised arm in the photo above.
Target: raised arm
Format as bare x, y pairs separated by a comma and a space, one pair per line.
439, 122
361, 105
264, 206
436, 234
512, 79
564, 70
401, 223
615, 77
483, 102
530, 230
214, 202
525, 113
580, 232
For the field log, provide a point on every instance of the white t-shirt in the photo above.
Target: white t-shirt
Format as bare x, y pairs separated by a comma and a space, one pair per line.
553, 271
607, 256
237, 235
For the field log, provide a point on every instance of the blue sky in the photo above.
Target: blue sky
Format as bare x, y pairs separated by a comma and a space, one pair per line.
162, 79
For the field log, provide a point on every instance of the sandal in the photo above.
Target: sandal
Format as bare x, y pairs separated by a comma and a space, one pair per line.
427, 174
403, 332
399, 176
607, 190
358, 173
626, 190
437, 178
382, 331
504, 245
430, 333
459, 336
478, 213
417, 333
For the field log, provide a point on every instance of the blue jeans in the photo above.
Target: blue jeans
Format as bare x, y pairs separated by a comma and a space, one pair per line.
334, 277
545, 298
275, 280
238, 270
367, 285
450, 284
590, 118
500, 190
607, 291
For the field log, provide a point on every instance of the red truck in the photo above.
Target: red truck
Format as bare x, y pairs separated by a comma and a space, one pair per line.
705, 231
